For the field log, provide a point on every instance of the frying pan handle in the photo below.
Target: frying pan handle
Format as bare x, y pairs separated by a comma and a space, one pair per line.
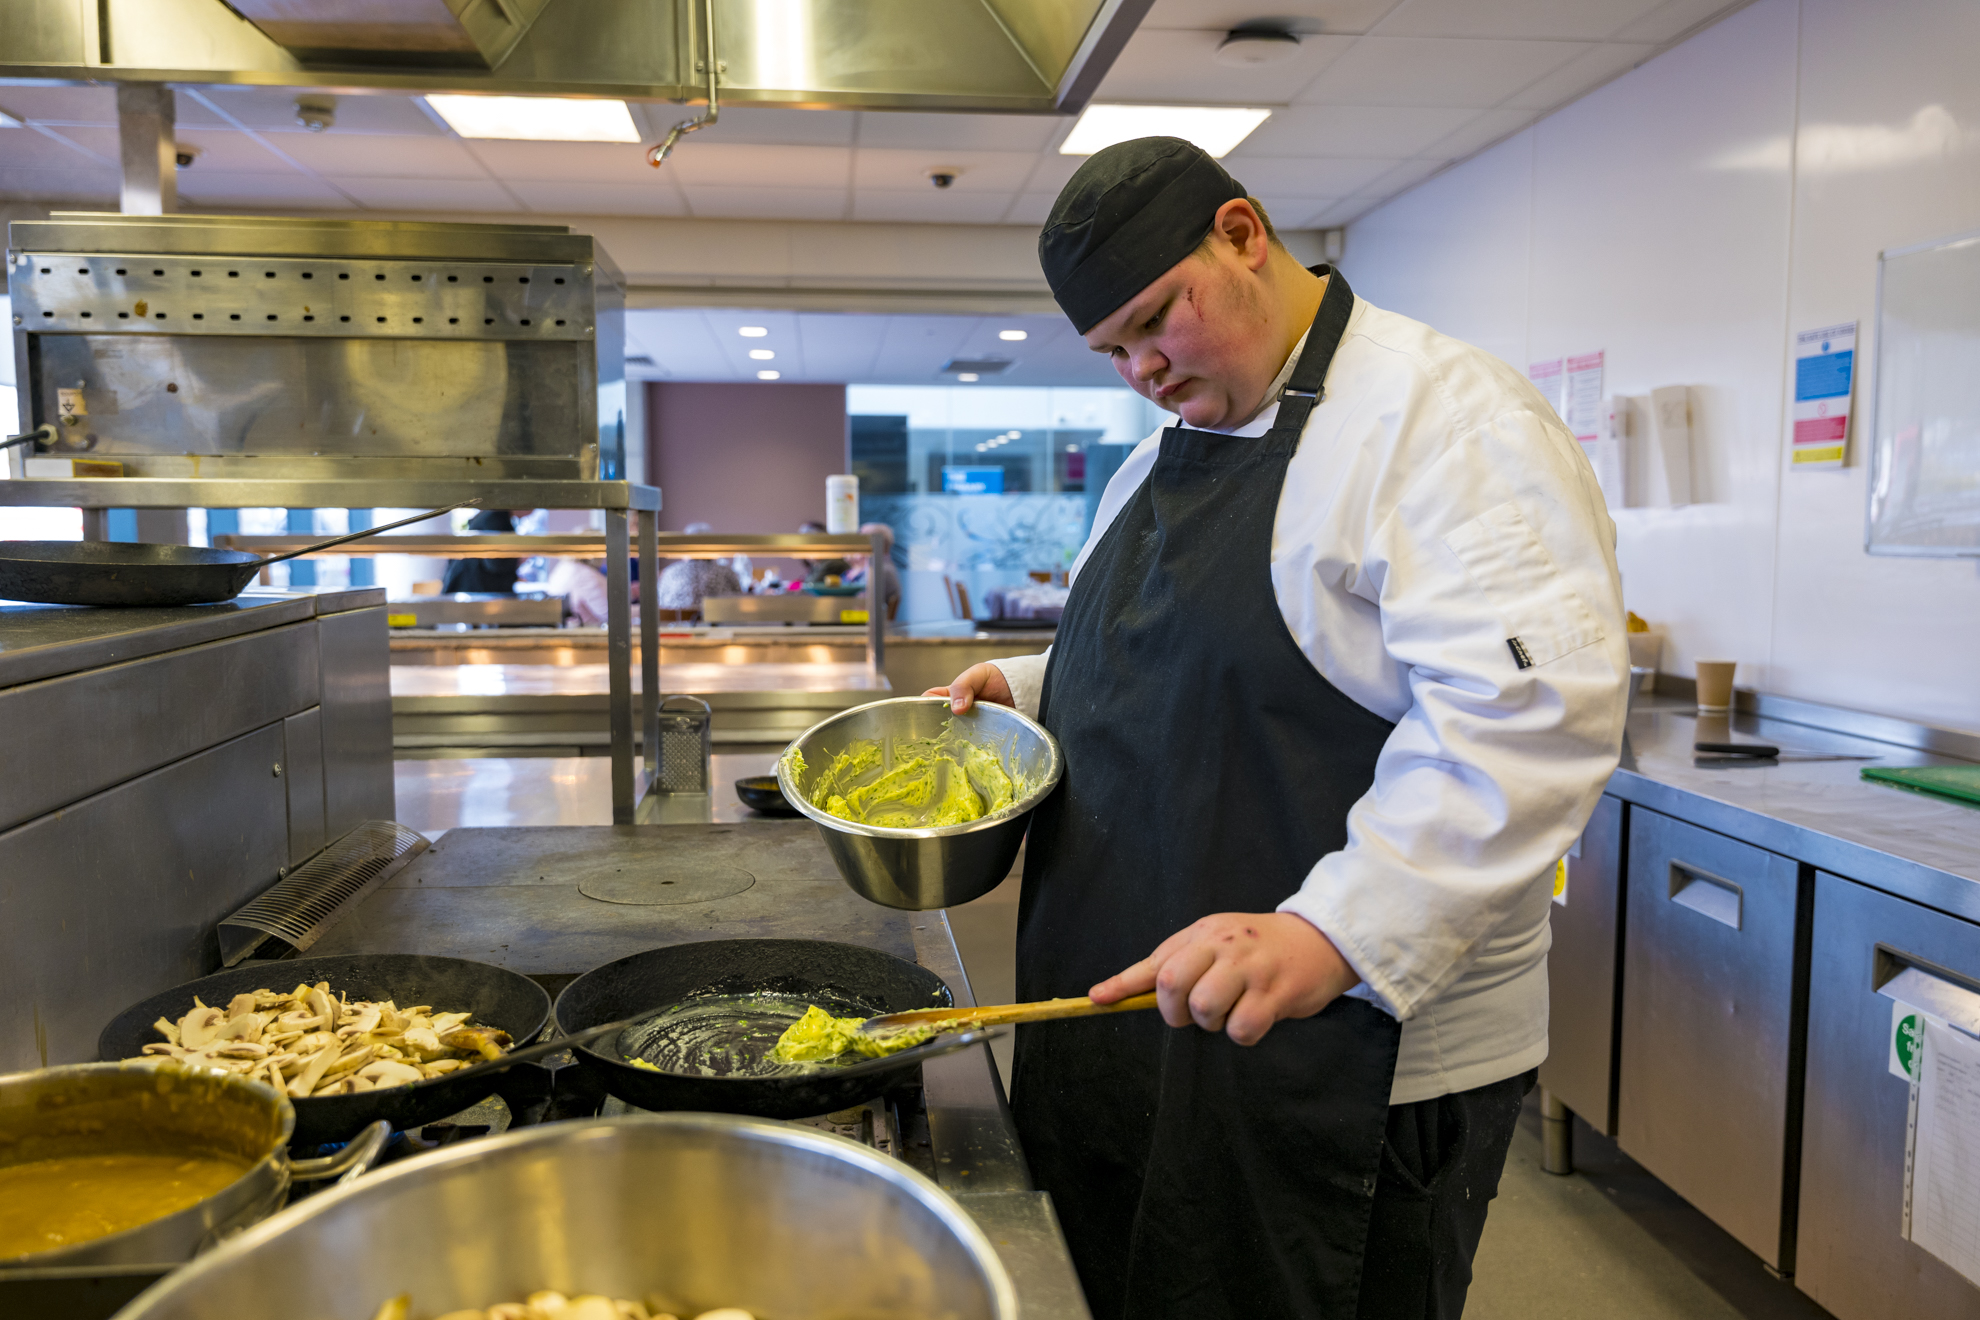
40, 435
359, 536
358, 1155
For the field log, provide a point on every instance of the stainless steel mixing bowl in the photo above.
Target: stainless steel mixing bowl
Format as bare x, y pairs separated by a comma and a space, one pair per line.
919, 869
700, 1210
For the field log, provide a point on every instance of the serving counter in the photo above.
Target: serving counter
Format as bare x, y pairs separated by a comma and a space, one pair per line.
512, 896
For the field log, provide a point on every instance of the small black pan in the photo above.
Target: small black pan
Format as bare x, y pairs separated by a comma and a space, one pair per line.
142, 573
847, 975
761, 794
495, 996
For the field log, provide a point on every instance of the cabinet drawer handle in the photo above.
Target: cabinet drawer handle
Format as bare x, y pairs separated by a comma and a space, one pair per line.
1706, 894
1926, 986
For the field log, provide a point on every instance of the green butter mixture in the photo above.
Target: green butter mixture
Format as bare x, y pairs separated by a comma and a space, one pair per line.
818, 1036
931, 781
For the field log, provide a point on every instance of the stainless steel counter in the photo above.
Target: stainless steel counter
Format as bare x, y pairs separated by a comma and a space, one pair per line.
510, 896
1916, 846
45, 641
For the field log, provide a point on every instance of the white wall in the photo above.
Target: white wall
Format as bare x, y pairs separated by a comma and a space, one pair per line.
1686, 218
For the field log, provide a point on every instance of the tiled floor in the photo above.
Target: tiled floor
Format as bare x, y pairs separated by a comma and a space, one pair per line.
1607, 1242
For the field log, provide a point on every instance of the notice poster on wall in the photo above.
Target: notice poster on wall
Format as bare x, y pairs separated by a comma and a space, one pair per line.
1583, 391
1546, 377
1824, 366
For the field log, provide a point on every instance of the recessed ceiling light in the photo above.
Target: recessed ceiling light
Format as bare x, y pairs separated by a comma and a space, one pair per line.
1215, 128
752, 331
762, 354
967, 377
1013, 335
768, 375
537, 118
1072, 449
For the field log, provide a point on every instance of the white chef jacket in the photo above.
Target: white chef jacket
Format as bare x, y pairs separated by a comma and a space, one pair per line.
1438, 529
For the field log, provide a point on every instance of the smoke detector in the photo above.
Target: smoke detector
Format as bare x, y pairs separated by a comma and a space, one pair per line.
1245, 47
316, 113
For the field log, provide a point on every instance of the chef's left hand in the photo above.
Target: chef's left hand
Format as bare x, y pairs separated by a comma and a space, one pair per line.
1238, 972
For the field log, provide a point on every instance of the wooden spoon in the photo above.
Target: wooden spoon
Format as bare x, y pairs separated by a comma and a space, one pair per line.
1044, 1010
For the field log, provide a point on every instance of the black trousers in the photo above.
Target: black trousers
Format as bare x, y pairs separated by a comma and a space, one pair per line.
1441, 1161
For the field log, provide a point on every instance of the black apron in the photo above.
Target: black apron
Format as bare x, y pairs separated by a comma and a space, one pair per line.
1208, 767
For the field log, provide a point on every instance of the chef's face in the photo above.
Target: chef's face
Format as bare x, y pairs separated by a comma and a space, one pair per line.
1198, 341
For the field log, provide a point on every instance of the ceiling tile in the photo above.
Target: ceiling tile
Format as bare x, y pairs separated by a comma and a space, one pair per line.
635, 199
1581, 74
29, 149
1170, 65
226, 151
94, 185
574, 162
1435, 71
1482, 132
930, 206
1559, 20
1350, 130
742, 165
1329, 176
273, 109
882, 128
761, 125
767, 203
1292, 212
378, 156
84, 144
1030, 209
1675, 18
902, 170
1406, 175
1343, 212
289, 191
388, 194
1300, 15
66, 105
1053, 172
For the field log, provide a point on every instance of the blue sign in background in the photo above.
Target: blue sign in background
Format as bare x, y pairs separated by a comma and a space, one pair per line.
972, 481
1822, 377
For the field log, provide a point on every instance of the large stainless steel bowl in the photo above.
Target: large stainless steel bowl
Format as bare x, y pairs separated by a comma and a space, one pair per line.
919, 869
99, 1108
704, 1210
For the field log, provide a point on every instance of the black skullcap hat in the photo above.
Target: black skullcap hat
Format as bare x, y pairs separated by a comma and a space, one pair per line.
1129, 214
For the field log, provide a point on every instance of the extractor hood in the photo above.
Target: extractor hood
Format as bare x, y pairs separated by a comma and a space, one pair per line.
1023, 56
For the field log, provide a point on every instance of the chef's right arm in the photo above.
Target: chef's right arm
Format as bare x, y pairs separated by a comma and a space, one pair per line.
1014, 682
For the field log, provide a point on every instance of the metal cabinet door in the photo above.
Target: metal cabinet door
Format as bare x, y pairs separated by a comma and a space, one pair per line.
1868, 949
1706, 1089
357, 719
116, 897
1581, 973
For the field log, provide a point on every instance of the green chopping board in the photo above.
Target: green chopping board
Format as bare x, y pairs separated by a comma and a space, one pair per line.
1953, 781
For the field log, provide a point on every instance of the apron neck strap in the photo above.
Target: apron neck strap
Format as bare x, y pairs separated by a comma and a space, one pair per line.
1309, 375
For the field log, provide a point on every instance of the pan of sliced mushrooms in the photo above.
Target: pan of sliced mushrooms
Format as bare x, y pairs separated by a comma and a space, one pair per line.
350, 1039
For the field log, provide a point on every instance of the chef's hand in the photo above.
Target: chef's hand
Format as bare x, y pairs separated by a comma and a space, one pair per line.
984, 682
1238, 972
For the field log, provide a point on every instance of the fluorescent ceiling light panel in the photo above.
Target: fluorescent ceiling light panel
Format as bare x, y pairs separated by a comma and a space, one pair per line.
1012, 335
762, 354
967, 377
752, 331
537, 118
768, 375
1215, 128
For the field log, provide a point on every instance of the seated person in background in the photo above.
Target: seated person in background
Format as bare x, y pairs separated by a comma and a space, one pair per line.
581, 582
817, 570
491, 576
890, 578
685, 583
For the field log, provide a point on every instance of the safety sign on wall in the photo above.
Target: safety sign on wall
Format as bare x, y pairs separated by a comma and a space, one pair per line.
1824, 366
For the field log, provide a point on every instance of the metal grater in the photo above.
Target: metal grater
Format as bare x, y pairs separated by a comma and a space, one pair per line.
684, 747
308, 901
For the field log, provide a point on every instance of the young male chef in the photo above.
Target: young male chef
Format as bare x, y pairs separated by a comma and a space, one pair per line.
1341, 677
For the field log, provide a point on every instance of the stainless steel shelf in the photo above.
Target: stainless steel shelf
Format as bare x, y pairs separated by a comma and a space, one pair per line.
498, 545
196, 493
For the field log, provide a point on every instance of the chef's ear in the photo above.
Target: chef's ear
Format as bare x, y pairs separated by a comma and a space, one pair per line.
1241, 228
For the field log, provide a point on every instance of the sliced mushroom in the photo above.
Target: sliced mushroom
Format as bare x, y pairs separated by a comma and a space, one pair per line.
304, 1083
488, 1042
317, 1000
167, 1028
201, 1026
389, 1072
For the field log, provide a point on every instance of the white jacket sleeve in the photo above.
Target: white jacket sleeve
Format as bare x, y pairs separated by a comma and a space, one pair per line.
1026, 675
1495, 575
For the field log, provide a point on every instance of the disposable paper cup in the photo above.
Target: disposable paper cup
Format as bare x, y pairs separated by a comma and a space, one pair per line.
1715, 684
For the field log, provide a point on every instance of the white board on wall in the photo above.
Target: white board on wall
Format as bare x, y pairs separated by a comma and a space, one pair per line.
1924, 490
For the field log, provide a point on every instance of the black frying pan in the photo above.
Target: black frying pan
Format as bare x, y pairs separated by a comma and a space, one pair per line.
496, 996
141, 573
813, 970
